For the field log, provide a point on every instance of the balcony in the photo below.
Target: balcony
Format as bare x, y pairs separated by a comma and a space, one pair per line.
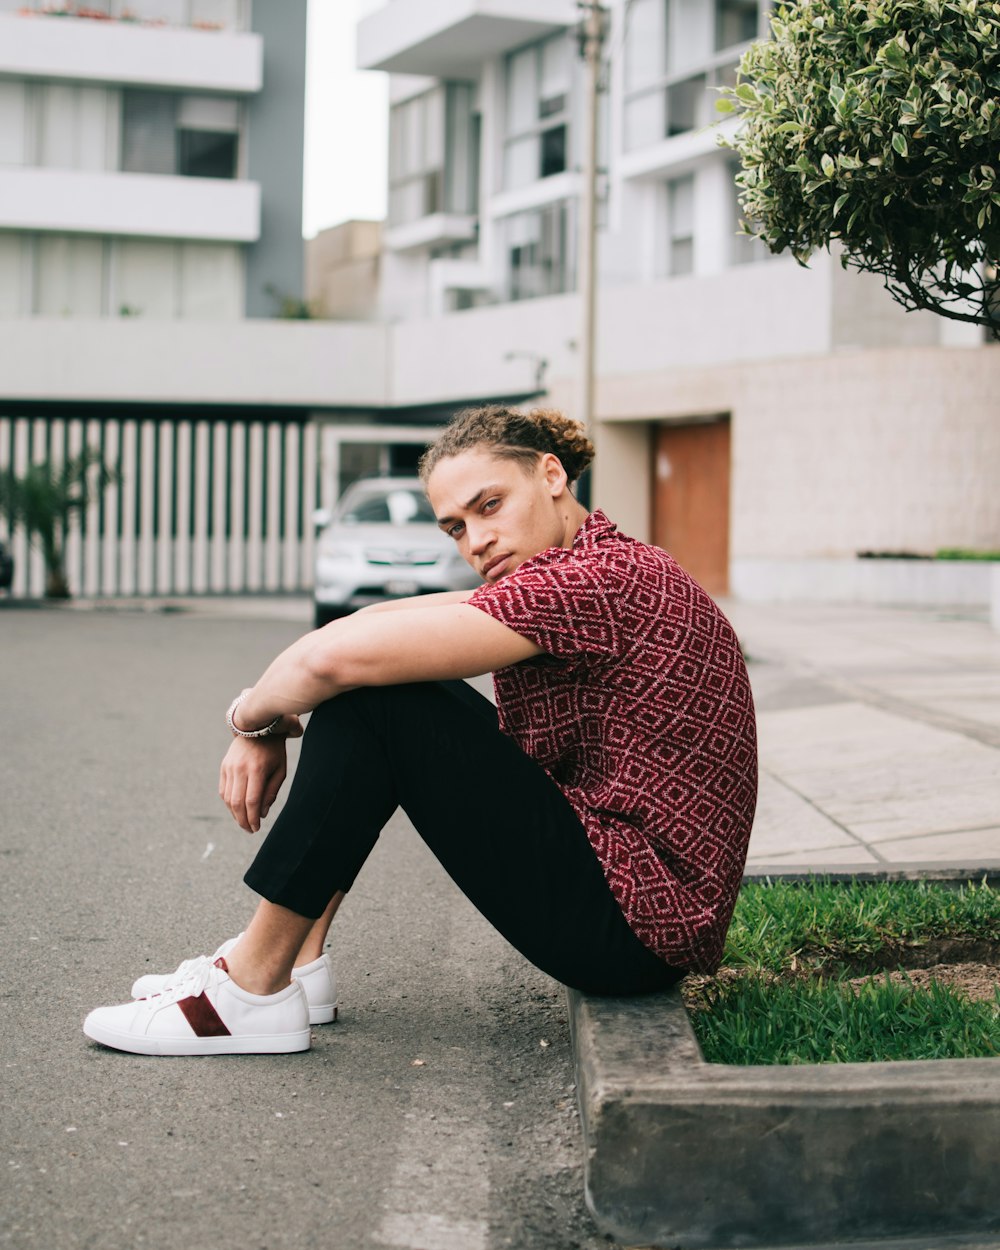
133, 205
34, 46
435, 230
425, 212
452, 38
136, 360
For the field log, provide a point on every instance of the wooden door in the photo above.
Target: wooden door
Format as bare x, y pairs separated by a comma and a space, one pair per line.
691, 499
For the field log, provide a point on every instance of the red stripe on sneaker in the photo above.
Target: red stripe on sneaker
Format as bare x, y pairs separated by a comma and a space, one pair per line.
202, 1017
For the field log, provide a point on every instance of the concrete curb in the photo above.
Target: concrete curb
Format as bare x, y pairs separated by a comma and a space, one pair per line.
291, 606
930, 870
682, 1153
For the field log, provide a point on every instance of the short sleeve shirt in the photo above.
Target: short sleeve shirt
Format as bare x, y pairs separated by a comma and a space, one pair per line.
640, 710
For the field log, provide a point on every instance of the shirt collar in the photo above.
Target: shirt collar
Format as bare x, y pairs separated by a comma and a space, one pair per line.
596, 528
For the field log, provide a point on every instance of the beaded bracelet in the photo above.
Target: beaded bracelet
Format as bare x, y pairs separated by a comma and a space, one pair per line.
264, 732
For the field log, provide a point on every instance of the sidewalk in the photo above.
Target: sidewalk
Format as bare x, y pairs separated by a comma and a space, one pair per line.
879, 736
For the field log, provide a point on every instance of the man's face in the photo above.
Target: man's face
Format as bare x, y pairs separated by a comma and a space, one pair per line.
500, 512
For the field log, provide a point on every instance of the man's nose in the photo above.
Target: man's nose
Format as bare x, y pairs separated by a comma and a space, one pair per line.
480, 538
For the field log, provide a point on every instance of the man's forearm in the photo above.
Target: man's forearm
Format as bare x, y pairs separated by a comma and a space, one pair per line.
292, 683
435, 600
454, 640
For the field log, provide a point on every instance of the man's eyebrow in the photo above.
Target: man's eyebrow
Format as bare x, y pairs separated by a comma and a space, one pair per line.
446, 520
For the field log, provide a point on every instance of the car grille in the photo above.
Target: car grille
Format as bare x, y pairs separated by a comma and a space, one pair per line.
400, 559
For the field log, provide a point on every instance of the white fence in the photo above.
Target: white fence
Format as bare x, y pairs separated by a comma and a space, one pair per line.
199, 505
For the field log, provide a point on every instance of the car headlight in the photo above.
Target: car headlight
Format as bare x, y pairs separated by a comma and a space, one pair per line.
335, 553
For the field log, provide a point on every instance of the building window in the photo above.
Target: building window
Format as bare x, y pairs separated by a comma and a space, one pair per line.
192, 136
736, 22
536, 116
680, 225
206, 154
434, 154
15, 112
69, 278
461, 150
15, 283
677, 54
90, 277
538, 247
57, 125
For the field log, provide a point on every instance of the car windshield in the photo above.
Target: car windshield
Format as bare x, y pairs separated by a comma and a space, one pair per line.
395, 506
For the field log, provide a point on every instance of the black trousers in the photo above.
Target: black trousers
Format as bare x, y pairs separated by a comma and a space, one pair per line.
495, 820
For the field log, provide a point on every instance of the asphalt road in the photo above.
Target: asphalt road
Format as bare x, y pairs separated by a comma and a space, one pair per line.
118, 859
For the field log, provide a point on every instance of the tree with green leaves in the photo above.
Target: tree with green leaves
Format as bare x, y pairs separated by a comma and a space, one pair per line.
877, 123
44, 499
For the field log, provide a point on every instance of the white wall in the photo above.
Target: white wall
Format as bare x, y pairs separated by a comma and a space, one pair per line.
187, 362
892, 450
742, 314
878, 450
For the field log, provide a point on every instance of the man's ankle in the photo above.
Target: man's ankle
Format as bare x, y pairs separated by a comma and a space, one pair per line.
307, 955
253, 979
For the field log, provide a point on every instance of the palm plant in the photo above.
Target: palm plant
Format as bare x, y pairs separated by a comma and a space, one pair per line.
43, 501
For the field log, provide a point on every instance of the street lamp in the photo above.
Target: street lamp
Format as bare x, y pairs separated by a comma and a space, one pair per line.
591, 34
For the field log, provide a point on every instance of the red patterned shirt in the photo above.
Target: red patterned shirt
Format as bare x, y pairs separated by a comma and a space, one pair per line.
640, 710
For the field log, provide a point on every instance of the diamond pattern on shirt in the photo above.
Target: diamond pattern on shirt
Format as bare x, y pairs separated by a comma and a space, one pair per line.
641, 712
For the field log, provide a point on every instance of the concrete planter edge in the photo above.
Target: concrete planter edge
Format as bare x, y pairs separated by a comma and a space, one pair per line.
682, 1153
887, 583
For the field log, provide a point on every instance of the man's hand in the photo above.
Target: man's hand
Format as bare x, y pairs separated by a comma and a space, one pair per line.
252, 773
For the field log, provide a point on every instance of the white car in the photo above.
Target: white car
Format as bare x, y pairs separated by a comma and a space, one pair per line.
382, 542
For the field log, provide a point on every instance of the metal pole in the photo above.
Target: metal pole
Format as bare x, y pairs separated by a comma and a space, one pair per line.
592, 37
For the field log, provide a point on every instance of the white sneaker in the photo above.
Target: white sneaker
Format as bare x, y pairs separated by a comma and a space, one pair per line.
317, 979
319, 982
206, 1013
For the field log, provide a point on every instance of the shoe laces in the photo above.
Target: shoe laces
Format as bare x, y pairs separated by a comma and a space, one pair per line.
201, 974
190, 965
186, 967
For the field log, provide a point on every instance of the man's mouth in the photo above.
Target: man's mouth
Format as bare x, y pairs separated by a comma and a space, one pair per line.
495, 567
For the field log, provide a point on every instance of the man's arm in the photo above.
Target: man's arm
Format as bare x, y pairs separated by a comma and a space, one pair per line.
435, 600
382, 649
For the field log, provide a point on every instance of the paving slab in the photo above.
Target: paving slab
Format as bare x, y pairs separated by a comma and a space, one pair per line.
960, 846
786, 821
818, 858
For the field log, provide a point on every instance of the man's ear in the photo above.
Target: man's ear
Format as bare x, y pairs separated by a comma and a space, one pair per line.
554, 474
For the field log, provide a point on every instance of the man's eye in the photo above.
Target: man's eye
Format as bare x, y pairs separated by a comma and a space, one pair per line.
490, 503
455, 530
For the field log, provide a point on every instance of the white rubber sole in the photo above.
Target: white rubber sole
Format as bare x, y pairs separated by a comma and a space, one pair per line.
279, 1044
325, 1014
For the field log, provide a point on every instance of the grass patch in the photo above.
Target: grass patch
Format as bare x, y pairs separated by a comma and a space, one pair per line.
785, 995
785, 924
965, 553
754, 1021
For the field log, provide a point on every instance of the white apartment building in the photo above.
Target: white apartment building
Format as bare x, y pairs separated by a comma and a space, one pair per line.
129, 185
751, 414
150, 228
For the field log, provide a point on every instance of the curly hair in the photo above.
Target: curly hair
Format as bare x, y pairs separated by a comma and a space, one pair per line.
513, 435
